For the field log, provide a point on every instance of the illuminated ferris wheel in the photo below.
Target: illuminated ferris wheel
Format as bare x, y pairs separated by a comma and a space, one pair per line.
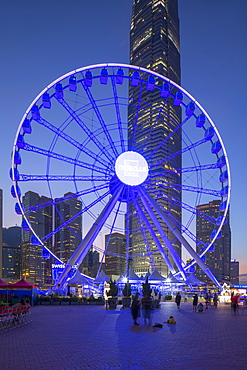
98, 135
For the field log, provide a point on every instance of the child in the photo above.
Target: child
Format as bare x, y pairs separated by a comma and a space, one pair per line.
170, 320
200, 307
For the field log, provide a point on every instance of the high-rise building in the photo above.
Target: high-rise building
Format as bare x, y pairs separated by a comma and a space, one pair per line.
68, 238
234, 278
154, 44
34, 268
11, 252
115, 263
218, 260
90, 263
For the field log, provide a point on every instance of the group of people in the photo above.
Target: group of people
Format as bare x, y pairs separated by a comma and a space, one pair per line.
146, 304
207, 298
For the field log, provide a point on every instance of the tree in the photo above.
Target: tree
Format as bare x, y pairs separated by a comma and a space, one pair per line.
146, 290
113, 292
127, 290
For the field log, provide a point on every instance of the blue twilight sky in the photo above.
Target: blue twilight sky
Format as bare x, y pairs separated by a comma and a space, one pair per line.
42, 40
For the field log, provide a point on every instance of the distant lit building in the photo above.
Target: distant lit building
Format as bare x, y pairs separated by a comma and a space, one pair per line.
234, 272
115, 262
218, 260
11, 252
69, 237
34, 268
90, 263
155, 45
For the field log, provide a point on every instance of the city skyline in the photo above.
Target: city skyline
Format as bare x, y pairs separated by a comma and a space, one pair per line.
216, 79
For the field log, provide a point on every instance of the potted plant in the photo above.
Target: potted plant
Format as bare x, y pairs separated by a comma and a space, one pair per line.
126, 295
112, 294
168, 297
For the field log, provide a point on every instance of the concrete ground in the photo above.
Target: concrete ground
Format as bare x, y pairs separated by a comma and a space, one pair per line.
90, 337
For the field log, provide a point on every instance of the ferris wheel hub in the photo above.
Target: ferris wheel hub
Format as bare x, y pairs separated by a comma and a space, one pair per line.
131, 168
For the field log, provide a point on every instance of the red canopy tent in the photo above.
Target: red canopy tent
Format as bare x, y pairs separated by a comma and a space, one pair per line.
3, 285
22, 284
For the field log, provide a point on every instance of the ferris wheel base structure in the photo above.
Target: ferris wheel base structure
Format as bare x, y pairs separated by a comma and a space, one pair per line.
90, 132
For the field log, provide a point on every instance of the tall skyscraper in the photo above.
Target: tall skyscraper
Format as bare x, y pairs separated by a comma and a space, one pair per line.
68, 238
34, 267
218, 260
90, 263
11, 252
234, 272
115, 263
154, 44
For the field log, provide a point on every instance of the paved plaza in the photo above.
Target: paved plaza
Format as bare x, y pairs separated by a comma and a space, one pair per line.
90, 337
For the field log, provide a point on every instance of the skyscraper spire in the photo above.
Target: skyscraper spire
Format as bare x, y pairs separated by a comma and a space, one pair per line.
154, 44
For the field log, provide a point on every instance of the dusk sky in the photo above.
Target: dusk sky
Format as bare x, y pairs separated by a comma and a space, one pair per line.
43, 40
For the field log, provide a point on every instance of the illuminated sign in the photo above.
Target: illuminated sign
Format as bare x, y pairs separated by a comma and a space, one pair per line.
131, 168
240, 286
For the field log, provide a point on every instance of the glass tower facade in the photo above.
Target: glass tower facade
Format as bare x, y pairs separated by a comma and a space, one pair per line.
33, 267
154, 44
68, 238
219, 259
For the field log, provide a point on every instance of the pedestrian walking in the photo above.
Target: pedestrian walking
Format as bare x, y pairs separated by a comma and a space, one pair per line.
195, 302
215, 299
235, 302
147, 309
206, 300
135, 308
178, 299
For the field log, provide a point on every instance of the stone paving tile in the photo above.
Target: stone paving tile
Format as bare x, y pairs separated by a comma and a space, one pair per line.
90, 337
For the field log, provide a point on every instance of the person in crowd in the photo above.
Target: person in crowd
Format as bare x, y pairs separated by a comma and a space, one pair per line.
147, 309
195, 302
235, 302
178, 299
200, 307
135, 308
215, 299
206, 300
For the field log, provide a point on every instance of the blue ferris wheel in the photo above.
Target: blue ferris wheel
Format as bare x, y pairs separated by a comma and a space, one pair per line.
138, 151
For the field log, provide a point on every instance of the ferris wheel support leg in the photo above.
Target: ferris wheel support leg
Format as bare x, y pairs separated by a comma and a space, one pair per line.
155, 239
182, 240
80, 253
162, 233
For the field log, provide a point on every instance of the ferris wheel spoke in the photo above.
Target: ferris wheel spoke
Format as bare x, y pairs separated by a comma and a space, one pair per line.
186, 230
191, 209
24, 177
144, 236
177, 128
174, 229
205, 167
154, 237
61, 157
119, 121
71, 140
85, 128
80, 253
100, 119
65, 198
165, 239
194, 189
184, 150
67, 222
104, 252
